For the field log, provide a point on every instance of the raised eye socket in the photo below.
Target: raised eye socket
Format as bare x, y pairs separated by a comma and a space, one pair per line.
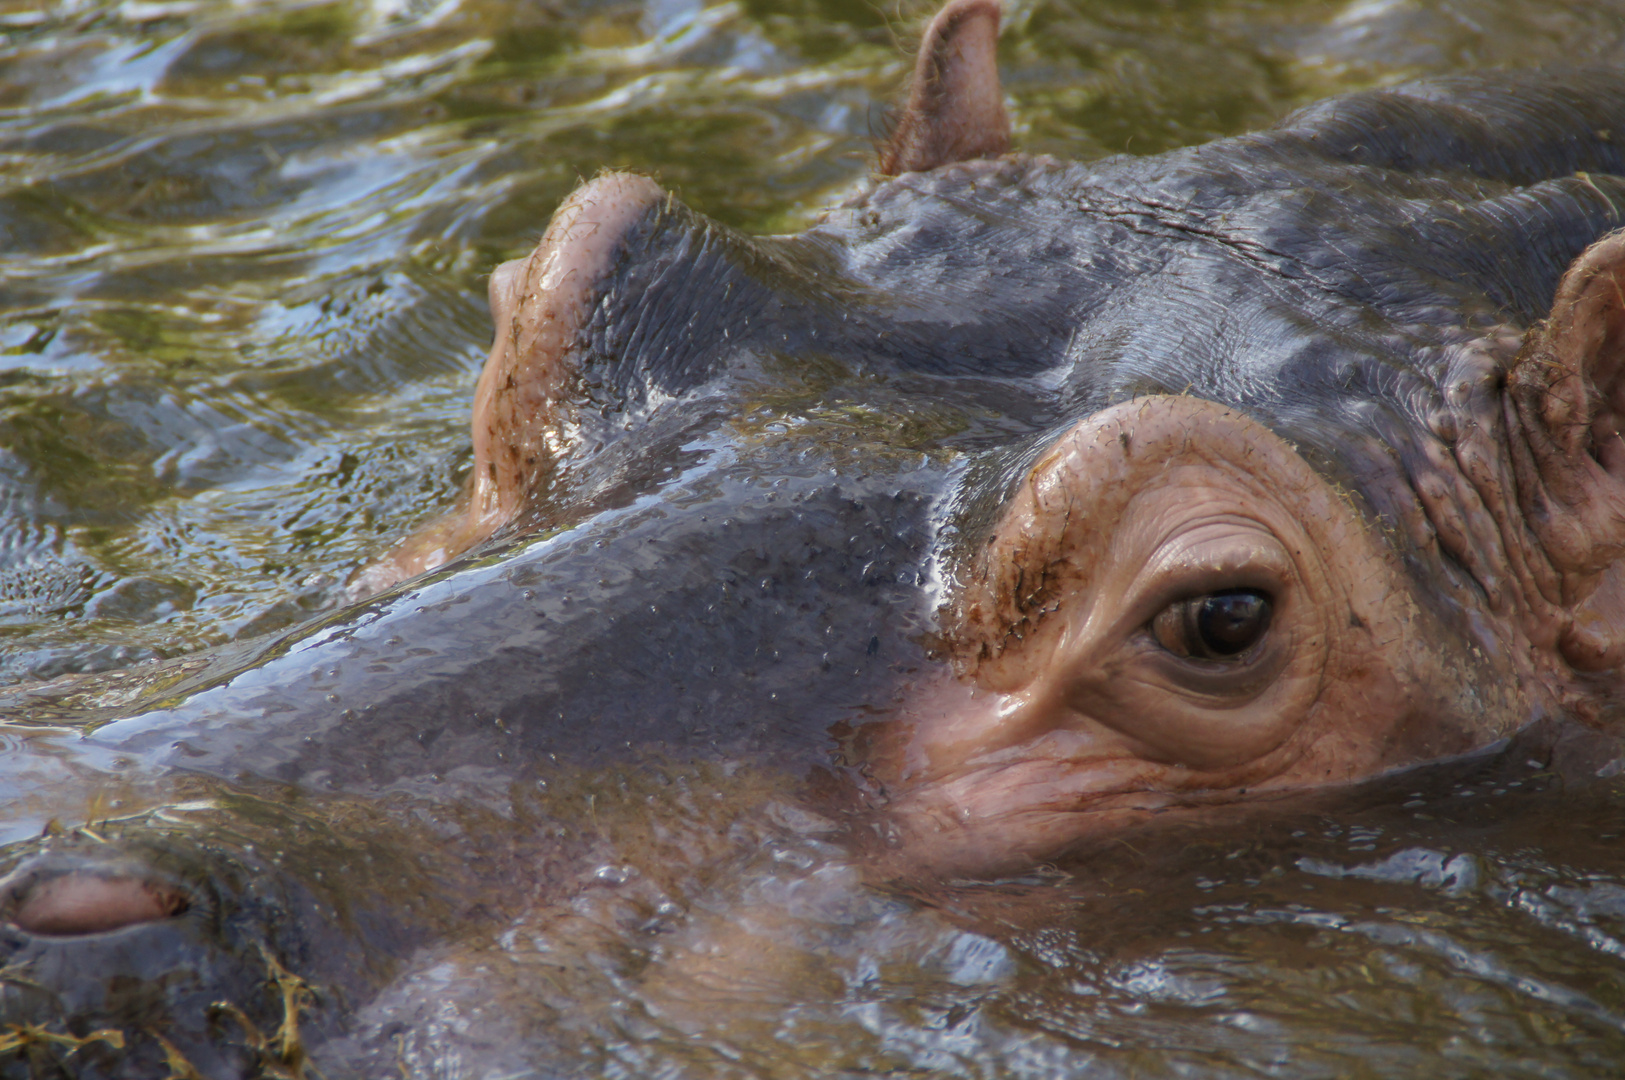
1218, 626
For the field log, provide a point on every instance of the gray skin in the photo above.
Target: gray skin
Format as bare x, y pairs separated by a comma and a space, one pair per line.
770, 509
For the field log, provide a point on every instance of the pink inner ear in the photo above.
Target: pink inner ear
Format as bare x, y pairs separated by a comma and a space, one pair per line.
91, 904
1577, 357
955, 107
1607, 374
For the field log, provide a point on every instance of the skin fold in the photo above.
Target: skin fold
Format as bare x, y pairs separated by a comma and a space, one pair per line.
1068, 716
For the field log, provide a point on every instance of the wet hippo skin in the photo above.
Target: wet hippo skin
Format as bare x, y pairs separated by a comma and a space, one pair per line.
1249, 469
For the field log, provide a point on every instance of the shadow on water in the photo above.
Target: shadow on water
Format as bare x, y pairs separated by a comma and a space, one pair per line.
242, 259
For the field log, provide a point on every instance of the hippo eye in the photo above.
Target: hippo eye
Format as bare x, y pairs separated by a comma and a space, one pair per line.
1218, 626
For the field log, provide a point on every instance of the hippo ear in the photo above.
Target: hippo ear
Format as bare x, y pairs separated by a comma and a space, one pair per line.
955, 108
1568, 392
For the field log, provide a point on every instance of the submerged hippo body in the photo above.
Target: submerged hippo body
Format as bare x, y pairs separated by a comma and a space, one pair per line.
1105, 490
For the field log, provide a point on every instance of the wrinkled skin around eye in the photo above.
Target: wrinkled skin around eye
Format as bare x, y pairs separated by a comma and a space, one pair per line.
1212, 620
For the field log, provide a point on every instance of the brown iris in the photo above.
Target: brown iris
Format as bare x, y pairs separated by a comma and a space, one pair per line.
1218, 626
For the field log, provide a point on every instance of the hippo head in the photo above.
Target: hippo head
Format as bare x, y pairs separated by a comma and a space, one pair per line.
1303, 504
1304, 475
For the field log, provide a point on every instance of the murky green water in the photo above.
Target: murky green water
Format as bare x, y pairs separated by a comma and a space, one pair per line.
242, 260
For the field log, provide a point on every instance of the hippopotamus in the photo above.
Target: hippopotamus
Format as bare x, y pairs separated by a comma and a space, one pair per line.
1016, 503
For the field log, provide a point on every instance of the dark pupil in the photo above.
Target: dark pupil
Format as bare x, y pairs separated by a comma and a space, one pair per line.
1230, 622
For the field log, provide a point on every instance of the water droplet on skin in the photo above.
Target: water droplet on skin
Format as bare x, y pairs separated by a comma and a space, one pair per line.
612, 875
791, 857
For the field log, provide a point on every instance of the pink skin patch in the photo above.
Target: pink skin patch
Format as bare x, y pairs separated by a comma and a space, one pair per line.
538, 304
92, 904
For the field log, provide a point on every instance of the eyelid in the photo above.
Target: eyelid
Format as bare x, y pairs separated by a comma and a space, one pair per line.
1190, 566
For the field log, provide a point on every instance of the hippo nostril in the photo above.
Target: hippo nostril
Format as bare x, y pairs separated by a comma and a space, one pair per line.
85, 903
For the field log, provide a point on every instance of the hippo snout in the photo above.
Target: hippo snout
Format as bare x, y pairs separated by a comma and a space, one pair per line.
137, 953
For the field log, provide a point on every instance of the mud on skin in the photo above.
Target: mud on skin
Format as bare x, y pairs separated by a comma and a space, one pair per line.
1255, 470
